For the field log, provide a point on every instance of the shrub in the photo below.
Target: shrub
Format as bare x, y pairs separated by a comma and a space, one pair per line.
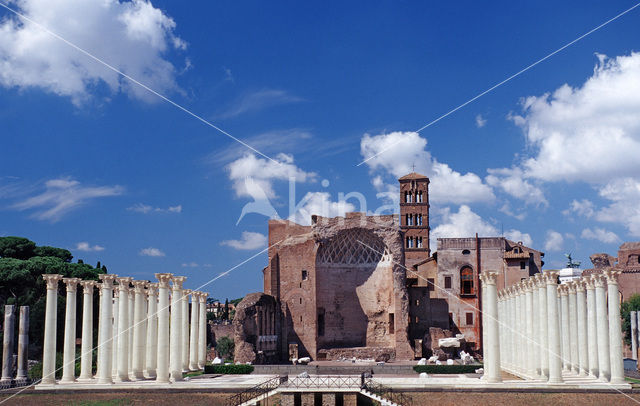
235, 369
447, 369
225, 347
35, 372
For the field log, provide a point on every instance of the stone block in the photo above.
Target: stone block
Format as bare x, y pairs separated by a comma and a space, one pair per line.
328, 399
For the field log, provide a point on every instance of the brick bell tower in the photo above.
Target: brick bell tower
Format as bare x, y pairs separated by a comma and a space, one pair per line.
414, 217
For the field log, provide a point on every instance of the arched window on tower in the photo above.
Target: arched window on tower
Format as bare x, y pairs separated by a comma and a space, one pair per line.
419, 197
407, 197
409, 242
418, 219
466, 281
409, 219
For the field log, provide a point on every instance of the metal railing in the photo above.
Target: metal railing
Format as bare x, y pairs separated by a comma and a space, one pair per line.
326, 382
256, 391
387, 393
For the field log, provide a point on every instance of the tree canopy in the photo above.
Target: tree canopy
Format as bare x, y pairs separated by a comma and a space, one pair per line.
632, 304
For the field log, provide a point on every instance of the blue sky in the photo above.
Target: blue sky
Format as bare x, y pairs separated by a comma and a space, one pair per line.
95, 163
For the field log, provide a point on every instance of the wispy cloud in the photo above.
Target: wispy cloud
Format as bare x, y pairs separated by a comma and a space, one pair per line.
151, 252
86, 247
62, 196
249, 241
257, 101
146, 209
480, 121
190, 265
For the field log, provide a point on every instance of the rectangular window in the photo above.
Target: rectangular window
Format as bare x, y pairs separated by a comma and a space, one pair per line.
419, 197
447, 282
391, 324
523, 265
430, 284
419, 242
469, 320
321, 322
409, 219
419, 219
304, 275
409, 242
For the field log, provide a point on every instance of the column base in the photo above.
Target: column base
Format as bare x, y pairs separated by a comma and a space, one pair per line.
105, 381
6, 383
84, 379
22, 381
150, 374
617, 381
67, 380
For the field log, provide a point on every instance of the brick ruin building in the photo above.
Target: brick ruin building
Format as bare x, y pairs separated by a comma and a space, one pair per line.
358, 286
627, 261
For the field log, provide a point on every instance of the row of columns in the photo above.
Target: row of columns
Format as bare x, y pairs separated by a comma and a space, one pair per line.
545, 328
141, 334
7, 380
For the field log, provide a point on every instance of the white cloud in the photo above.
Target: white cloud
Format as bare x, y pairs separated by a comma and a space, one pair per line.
554, 241
588, 133
320, 203
132, 36
146, 209
263, 173
63, 195
151, 252
512, 182
85, 246
249, 241
258, 101
480, 121
600, 234
516, 235
396, 153
624, 195
582, 207
190, 265
463, 223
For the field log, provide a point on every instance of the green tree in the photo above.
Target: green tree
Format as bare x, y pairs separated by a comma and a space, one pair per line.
225, 314
632, 304
46, 251
16, 247
225, 347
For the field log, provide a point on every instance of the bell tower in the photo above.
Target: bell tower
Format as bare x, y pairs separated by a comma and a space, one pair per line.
414, 217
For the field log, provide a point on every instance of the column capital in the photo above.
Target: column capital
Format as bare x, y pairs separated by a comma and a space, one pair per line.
116, 293
489, 277
550, 277
187, 292
138, 286
203, 297
598, 280
107, 280
536, 280
528, 285
612, 275
164, 279
87, 286
123, 283
589, 282
152, 289
178, 281
52, 280
72, 283
571, 287
562, 290
580, 285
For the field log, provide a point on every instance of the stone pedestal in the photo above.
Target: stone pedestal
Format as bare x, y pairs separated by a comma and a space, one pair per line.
23, 347
308, 399
7, 346
50, 323
69, 355
287, 399
328, 399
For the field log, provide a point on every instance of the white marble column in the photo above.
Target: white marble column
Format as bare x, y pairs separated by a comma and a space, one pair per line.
634, 334
152, 331
544, 326
86, 349
123, 330
531, 357
604, 364
592, 327
193, 334
500, 328
106, 345
615, 327
185, 330
8, 341
114, 332
573, 328
50, 323
583, 347
553, 326
564, 327
69, 354
518, 327
139, 331
131, 309
176, 328
163, 369
23, 346
490, 319
535, 325
514, 326
202, 330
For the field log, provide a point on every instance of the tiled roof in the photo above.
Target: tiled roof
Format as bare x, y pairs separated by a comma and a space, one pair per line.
413, 175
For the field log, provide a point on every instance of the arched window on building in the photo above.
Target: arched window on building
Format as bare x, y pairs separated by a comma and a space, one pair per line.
407, 197
466, 281
418, 219
409, 242
419, 197
418, 242
409, 219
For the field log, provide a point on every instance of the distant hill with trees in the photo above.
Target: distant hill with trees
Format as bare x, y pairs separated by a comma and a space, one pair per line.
22, 264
